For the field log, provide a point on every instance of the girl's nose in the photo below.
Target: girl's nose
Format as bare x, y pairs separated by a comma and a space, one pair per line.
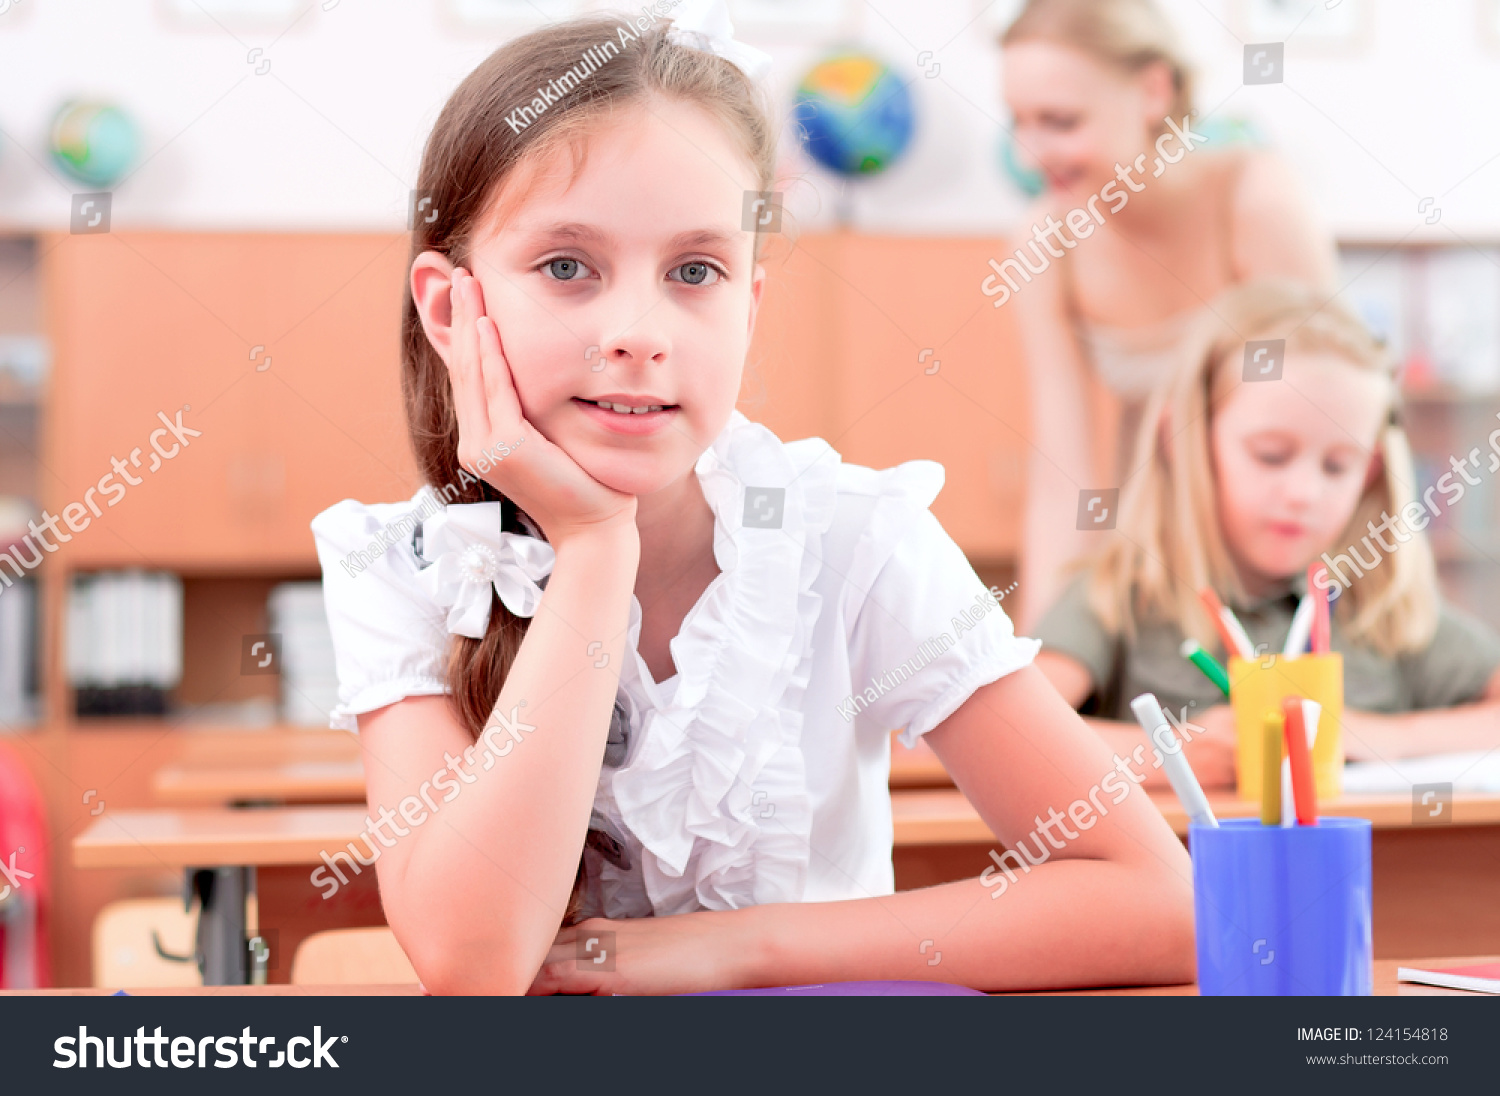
634, 327
1303, 485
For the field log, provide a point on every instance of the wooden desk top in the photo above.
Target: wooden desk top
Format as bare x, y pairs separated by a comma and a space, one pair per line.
292, 766
1386, 985
296, 835
942, 816
205, 838
306, 766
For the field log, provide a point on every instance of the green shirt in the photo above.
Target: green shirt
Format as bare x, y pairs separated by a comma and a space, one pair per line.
1453, 669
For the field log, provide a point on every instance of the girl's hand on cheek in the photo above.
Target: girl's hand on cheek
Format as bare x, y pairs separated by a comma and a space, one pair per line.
537, 475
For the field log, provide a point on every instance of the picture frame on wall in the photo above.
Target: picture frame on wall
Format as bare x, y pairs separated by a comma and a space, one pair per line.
233, 15
1487, 14
507, 16
801, 18
1344, 27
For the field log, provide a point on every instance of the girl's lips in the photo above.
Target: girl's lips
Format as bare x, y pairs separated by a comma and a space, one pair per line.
1063, 180
1288, 531
647, 423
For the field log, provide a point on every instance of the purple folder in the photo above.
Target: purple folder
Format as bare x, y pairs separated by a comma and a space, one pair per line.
851, 989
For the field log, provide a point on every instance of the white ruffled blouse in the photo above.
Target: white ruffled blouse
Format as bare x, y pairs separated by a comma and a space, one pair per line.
758, 773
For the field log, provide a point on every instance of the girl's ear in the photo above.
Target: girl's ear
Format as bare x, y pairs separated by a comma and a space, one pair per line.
757, 288
1156, 92
431, 287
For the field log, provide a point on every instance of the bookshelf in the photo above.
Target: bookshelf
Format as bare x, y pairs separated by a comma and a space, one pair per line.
1438, 308
22, 366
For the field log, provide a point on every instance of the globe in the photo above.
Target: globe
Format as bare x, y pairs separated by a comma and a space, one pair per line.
855, 114
95, 143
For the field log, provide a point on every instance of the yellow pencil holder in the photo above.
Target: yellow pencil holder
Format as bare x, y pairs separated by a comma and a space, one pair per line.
1254, 688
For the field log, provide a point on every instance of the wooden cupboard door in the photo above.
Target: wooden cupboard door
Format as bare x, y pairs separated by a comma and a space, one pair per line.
280, 349
913, 361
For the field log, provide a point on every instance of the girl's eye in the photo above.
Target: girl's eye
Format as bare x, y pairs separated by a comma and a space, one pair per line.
564, 270
696, 273
1272, 457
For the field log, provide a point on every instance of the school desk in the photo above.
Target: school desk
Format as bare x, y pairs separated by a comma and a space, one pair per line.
1436, 888
1386, 985
299, 766
268, 851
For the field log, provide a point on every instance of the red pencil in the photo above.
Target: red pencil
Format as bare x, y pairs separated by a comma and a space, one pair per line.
1322, 635
1231, 631
1325, 614
1304, 793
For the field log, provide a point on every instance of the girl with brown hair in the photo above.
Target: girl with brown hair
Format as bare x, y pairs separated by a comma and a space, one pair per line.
631, 689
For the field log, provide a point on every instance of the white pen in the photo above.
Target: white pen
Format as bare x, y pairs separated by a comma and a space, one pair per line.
1301, 629
1288, 795
1149, 715
1312, 711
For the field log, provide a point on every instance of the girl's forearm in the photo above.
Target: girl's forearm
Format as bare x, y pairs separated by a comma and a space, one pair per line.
495, 874
1041, 931
1375, 736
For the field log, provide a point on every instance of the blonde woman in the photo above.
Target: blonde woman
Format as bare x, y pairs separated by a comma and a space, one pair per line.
1101, 98
1239, 487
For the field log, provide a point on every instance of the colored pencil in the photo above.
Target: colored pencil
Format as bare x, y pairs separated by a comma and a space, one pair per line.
1302, 624
1303, 792
1312, 714
1270, 780
1206, 662
1288, 799
1322, 626
1236, 640
1152, 719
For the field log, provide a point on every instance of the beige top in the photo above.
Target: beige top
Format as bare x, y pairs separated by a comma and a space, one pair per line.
1132, 361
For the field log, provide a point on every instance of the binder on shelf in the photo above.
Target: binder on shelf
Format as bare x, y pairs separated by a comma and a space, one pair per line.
309, 680
19, 700
124, 641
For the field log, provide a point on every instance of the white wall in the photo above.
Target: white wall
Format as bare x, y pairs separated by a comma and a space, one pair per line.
329, 138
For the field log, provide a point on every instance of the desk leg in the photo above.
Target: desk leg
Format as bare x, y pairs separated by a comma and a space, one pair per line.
220, 949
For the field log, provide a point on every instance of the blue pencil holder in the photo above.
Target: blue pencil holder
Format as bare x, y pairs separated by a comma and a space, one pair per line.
1283, 912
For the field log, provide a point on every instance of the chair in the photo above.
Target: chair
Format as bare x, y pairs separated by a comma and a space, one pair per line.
343, 957
145, 942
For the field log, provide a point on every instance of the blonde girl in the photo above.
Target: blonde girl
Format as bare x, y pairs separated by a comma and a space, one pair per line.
625, 701
1238, 485
1100, 93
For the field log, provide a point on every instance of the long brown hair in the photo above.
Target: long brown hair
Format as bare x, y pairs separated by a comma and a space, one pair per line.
472, 152
1168, 542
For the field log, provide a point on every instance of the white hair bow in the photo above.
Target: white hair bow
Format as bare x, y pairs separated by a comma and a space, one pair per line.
705, 25
469, 554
